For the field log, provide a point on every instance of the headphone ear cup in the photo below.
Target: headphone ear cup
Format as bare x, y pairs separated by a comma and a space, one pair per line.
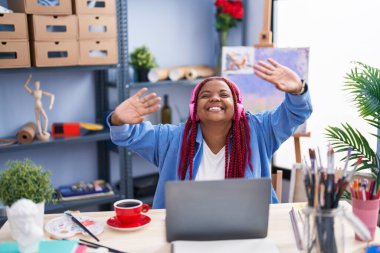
240, 109
191, 110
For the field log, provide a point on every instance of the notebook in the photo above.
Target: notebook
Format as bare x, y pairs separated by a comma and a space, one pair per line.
217, 210
48, 246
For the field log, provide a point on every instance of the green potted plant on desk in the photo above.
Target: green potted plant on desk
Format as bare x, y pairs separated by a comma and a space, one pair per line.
25, 180
142, 60
363, 84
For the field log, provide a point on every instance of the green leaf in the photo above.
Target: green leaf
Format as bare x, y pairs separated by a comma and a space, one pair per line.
142, 58
363, 86
224, 21
363, 82
24, 179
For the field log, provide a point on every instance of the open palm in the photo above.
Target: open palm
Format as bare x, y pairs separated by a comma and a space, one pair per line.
281, 76
133, 110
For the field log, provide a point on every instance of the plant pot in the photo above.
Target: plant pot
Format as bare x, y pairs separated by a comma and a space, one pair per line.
142, 75
26, 224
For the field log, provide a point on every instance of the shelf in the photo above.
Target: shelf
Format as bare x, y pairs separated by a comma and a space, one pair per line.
67, 205
89, 137
165, 83
73, 68
147, 200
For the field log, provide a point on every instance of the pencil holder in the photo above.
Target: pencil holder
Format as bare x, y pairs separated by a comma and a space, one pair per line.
323, 230
367, 211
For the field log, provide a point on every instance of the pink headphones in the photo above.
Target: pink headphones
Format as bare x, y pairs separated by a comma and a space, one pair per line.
240, 107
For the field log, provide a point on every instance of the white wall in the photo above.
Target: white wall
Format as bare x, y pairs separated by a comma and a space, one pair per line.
337, 33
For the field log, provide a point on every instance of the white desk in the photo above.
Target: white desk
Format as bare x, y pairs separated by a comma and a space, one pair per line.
153, 238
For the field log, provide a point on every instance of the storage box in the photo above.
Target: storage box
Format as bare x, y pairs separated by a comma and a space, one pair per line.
99, 7
97, 26
98, 52
13, 26
14, 54
59, 7
55, 53
50, 28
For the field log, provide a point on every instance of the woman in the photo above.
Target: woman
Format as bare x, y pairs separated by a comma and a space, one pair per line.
219, 140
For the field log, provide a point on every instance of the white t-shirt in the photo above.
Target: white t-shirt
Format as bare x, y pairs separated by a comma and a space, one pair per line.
212, 165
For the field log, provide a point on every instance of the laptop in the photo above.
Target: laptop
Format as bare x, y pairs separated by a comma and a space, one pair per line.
217, 210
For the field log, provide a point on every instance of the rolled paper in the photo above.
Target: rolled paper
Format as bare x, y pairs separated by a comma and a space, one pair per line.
27, 133
158, 74
199, 71
177, 73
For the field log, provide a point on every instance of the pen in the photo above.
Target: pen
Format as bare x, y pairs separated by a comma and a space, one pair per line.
349, 149
296, 231
330, 181
316, 177
343, 181
307, 182
76, 221
88, 243
320, 159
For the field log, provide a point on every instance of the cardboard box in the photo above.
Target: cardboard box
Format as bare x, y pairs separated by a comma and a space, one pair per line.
97, 26
14, 54
13, 26
55, 53
99, 7
63, 7
50, 28
98, 52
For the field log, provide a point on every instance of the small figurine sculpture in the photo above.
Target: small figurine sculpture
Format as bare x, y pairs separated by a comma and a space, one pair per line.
43, 134
23, 218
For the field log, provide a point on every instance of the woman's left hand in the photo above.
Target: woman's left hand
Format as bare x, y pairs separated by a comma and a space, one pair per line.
281, 76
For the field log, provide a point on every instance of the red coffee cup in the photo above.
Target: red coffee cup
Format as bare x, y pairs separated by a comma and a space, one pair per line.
129, 210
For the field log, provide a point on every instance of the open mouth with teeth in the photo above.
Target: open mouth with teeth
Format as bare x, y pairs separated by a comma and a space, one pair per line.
215, 109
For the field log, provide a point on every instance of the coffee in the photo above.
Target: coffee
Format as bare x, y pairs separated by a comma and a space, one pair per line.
127, 204
129, 210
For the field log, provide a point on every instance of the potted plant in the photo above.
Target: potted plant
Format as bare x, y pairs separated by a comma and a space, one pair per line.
142, 60
363, 84
25, 180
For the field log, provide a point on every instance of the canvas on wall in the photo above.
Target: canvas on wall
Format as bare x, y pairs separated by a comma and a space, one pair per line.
258, 94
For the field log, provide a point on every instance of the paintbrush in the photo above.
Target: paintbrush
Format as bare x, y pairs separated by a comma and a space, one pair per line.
76, 221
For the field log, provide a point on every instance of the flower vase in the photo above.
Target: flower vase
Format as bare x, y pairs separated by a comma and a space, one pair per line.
223, 38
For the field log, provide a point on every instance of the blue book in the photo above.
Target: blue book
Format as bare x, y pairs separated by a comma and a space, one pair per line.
48, 246
67, 191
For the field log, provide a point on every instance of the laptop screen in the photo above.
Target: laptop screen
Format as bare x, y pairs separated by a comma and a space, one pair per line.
217, 210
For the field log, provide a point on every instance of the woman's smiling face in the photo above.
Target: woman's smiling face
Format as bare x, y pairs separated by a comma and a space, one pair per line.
215, 102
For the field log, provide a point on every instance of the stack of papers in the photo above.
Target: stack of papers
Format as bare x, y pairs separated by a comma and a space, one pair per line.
240, 246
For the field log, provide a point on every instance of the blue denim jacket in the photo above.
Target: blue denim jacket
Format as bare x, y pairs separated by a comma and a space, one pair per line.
160, 144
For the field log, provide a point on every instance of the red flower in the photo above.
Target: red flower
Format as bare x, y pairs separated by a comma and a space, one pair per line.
237, 10
228, 13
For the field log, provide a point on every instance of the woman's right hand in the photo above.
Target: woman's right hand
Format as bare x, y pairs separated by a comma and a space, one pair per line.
133, 109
